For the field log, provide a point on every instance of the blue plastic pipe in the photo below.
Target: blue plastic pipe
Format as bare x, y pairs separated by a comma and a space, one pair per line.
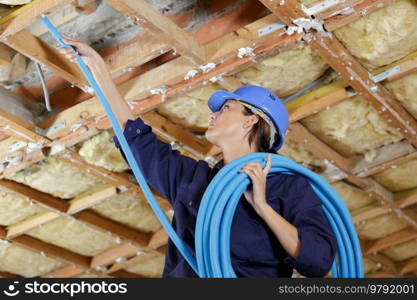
217, 208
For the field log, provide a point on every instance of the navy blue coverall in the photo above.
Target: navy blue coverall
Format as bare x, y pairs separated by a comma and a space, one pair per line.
255, 250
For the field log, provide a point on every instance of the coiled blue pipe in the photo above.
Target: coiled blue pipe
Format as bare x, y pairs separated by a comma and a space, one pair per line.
215, 215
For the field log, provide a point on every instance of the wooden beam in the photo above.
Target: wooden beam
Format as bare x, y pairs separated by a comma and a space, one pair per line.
147, 16
336, 18
390, 240
302, 135
336, 55
371, 213
65, 272
132, 261
30, 223
39, 51
124, 250
92, 218
385, 157
158, 239
91, 198
28, 14
386, 263
409, 267
52, 251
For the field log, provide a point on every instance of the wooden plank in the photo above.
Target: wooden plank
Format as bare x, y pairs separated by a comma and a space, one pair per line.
316, 101
52, 251
409, 267
4, 274
91, 198
30, 223
172, 132
385, 157
302, 135
147, 16
43, 199
410, 215
65, 272
158, 239
392, 239
126, 274
92, 218
358, 9
111, 255
406, 198
132, 261
39, 51
384, 261
371, 213
27, 14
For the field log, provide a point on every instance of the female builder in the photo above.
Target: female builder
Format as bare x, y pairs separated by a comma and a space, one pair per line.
278, 224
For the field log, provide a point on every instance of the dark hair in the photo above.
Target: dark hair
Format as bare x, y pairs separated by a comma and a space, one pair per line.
260, 133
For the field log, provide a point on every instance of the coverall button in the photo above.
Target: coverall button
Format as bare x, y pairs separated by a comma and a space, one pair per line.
129, 128
190, 203
137, 131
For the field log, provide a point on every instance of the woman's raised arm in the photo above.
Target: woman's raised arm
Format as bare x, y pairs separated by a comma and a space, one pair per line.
99, 69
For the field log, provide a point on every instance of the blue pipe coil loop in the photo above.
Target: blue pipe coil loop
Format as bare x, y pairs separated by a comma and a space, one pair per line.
215, 215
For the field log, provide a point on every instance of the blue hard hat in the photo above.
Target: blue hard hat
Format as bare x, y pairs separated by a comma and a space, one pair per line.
261, 98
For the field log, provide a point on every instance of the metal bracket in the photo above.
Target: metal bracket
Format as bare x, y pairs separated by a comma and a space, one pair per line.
384, 75
52, 129
270, 28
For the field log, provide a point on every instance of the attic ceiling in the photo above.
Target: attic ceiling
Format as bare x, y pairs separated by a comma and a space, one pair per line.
69, 206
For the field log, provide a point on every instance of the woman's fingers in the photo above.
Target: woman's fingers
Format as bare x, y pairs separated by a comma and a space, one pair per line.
268, 164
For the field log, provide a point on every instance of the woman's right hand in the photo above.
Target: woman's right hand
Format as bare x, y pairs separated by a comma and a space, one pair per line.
88, 54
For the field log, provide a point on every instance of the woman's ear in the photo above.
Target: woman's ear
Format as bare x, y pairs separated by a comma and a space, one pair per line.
250, 121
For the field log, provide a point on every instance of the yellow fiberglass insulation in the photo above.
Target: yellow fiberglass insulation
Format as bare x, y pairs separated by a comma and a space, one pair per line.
352, 126
398, 177
151, 267
405, 91
381, 226
286, 72
74, 235
24, 262
14, 208
384, 36
130, 210
299, 153
101, 151
353, 197
190, 110
370, 266
56, 177
402, 251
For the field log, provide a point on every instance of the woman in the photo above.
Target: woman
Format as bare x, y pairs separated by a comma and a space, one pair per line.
278, 224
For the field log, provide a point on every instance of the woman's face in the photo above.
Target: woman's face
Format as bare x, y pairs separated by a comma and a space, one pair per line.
228, 124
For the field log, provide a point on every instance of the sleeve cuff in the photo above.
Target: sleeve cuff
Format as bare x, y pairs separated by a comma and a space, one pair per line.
305, 256
133, 129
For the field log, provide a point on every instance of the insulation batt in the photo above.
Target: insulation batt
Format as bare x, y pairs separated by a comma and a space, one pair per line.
24, 262
190, 110
400, 178
129, 210
74, 235
299, 153
100, 151
14, 208
56, 177
353, 197
380, 226
402, 251
286, 72
352, 127
384, 36
152, 267
369, 266
405, 91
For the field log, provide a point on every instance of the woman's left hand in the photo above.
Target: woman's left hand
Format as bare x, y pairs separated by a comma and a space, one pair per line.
256, 195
